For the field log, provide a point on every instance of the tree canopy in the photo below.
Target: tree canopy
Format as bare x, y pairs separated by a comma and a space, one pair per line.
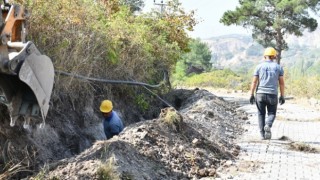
199, 55
195, 61
135, 5
271, 20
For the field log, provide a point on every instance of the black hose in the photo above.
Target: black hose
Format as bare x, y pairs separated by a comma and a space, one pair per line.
157, 96
109, 81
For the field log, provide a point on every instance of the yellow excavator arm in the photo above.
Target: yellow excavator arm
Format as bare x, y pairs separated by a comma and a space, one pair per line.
26, 76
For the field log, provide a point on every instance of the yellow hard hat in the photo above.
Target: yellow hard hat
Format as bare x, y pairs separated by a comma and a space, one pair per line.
270, 51
106, 106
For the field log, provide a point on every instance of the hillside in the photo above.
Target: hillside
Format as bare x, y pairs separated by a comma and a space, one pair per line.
240, 51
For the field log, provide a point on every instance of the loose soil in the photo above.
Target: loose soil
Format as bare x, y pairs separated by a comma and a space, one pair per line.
189, 140
192, 147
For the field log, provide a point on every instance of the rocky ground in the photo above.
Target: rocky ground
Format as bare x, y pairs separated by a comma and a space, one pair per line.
190, 141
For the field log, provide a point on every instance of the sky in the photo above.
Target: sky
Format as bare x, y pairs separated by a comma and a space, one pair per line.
208, 13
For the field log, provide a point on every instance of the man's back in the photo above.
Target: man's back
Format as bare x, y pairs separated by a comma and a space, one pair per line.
112, 125
268, 73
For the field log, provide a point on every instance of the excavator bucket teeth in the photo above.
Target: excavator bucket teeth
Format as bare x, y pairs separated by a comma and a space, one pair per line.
38, 73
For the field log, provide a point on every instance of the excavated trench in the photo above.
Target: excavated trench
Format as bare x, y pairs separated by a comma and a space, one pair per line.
210, 125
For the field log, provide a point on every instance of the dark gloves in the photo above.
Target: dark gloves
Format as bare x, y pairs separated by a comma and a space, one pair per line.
252, 99
281, 100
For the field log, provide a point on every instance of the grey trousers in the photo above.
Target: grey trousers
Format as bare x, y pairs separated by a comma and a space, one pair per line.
267, 102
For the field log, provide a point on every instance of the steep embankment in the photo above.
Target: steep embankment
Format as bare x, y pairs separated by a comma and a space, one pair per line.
193, 142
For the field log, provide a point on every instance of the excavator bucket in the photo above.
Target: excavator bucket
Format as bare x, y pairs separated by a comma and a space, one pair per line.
38, 73
26, 76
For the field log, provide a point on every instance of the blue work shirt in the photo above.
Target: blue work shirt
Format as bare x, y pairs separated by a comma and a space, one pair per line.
112, 125
268, 73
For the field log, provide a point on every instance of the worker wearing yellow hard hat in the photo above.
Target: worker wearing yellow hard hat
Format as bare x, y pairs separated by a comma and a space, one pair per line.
112, 123
267, 77
270, 52
106, 106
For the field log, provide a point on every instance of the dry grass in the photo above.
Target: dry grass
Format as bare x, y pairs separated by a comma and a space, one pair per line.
17, 160
108, 171
12, 169
172, 118
303, 147
191, 158
41, 174
299, 146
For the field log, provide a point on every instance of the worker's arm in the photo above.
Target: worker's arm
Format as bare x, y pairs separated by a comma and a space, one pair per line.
281, 84
254, 83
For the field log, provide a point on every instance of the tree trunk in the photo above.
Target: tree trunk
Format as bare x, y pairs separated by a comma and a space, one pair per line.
279, 44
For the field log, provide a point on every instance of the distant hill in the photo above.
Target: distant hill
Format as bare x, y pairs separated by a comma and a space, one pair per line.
240, 52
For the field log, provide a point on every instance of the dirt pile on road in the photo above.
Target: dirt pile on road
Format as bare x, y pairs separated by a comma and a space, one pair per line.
191, 142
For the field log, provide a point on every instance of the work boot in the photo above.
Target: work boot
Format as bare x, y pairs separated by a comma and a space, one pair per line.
262, 137
267, 132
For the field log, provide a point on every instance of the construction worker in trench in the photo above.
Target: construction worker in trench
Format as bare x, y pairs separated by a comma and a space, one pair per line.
112, 124
267, 77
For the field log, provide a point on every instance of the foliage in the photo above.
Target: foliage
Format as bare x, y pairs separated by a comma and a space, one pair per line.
217, 79
199, 56
104, 39
246, 68
180, 72
298, 82
174, 22
270, 20
303, 78
305, 66
307, 86
134, 5
142, 103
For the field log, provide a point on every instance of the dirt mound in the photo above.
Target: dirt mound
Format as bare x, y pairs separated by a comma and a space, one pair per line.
191, 142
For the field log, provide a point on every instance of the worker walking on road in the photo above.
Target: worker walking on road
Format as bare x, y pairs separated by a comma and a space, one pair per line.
112, 124
266, 78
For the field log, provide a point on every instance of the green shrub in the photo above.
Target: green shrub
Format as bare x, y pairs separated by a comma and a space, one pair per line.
106, 40
142, 103
217, 79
